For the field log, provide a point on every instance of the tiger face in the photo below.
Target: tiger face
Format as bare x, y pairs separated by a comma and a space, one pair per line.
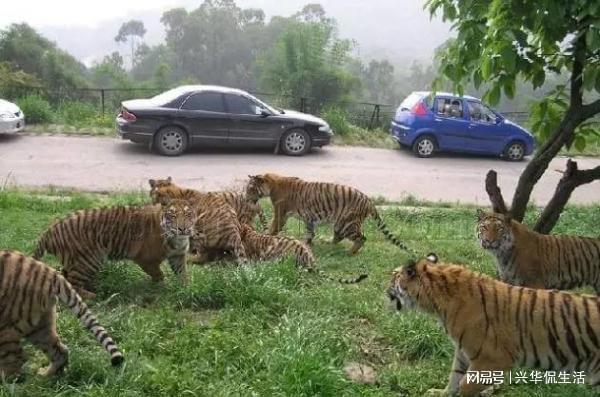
257, 187
155, 187
177, 218
406, 288
494, 231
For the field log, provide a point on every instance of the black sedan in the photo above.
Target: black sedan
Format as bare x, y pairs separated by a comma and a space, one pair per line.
213, 116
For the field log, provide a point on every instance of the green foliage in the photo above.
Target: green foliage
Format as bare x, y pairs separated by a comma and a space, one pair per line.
267, 329
308, 61
13, 82
23, 47
337, 119
36, 109
501, 43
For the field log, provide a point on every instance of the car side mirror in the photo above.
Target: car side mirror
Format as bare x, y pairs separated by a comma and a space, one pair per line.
264, 113
498, 119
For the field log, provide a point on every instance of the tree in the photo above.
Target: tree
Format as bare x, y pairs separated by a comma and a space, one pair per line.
26, 50
110, 72
501, 41
14, 83
128, 32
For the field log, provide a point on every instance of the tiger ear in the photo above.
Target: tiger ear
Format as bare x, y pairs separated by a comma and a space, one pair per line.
152, 183
432, 257
480, 214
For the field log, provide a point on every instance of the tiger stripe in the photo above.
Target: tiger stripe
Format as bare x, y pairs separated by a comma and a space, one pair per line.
533, 328
313, 202
526, 258
29, 290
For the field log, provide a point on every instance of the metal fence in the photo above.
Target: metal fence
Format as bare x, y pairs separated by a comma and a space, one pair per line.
108, 101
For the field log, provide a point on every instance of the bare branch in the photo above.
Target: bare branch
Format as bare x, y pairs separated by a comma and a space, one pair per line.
493, 191
571, 179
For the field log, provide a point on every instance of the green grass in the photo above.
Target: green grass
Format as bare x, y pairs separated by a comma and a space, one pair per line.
266, 331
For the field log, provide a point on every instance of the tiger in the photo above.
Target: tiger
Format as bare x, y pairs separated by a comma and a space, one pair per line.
217, 228
147, 235
29, 291
524, 257
314, 202
262, 247
246, 209
497, 326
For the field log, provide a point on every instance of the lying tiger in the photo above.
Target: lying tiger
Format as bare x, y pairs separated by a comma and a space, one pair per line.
217, 226
314, 202
29, 291
524, 257
497, 326
148, 235
262, 247
247, 210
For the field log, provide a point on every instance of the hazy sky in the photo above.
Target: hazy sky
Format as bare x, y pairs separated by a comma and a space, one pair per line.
396, 29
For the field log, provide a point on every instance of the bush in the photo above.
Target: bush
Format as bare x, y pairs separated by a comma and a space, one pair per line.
337, 120
37, 110
78, 113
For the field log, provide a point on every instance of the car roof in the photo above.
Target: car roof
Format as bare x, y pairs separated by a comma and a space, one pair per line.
217, 88
446, 94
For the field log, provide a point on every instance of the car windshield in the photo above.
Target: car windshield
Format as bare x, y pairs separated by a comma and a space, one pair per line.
168, 96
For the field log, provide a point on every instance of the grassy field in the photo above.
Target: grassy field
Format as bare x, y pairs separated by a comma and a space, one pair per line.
269, 330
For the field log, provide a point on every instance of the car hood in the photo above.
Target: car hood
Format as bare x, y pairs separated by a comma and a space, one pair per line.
302, 116
6, 106
518, 127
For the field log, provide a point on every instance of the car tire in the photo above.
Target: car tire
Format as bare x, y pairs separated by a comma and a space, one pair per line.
514, 151
424, 146
295, 142
171, 141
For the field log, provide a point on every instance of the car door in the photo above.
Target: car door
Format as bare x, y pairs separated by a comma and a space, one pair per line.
450, 124
251, 125
203, 113
486, 131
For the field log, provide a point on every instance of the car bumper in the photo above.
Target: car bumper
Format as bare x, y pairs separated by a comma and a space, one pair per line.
401, 133
12, 126
321, 140
125, 131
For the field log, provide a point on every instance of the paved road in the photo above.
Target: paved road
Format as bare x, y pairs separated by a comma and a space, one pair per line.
110, 164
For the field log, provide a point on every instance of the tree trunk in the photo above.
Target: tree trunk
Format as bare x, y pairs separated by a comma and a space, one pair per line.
572, 178
493, 191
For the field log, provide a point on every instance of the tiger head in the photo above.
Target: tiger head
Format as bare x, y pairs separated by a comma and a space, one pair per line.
177, 218
156, 185
407, 287
494, 231
257, 187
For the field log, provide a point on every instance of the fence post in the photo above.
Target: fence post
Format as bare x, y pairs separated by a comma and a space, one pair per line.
102, 99
377, 109
372, 120
303, 104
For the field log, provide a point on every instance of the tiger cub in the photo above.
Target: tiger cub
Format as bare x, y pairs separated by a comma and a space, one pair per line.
217, 227
524, 257
497, 326
148, 235
261, 247
246, 210
29, 291
313, 202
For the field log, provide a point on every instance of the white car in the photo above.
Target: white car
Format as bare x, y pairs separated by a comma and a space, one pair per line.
12, 118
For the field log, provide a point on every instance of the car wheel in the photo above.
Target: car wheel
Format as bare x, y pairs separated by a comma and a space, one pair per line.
171, 141
424, 146
515, 151
295, 142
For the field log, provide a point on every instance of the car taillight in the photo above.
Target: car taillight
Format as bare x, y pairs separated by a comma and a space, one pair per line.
127, 115
419, 109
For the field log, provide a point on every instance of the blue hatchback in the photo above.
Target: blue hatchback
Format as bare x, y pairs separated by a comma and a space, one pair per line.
451, 123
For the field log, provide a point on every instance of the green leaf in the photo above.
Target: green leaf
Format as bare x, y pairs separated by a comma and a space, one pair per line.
579, 143
509, 88
486, 68
477, 79
509, 59
539, 77
589, 77
492, 97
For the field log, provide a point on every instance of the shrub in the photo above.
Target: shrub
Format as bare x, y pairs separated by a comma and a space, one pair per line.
337, 120
37, 110
77, 113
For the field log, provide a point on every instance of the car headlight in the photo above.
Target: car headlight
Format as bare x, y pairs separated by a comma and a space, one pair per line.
326, 128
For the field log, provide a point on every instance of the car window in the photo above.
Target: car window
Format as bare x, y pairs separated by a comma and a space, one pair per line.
238, 104
480, 113
410, 101
449, 107
207, 101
